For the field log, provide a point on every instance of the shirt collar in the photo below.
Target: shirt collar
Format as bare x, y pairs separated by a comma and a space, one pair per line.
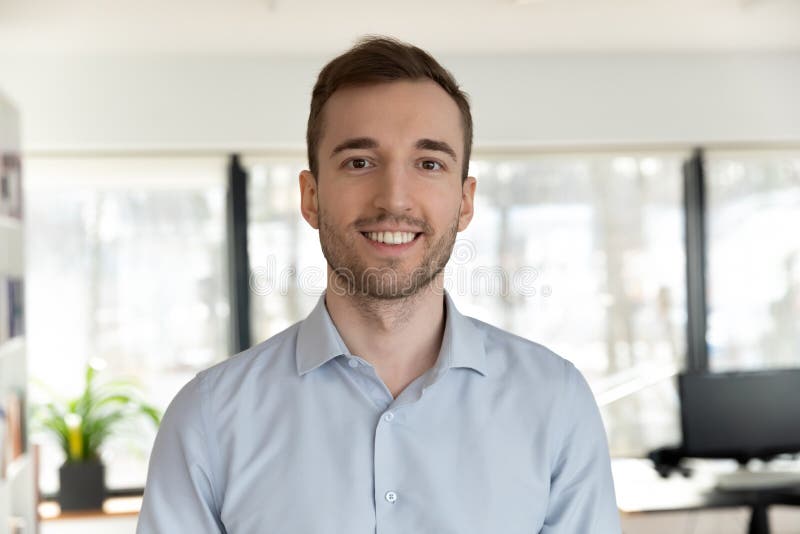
318, 341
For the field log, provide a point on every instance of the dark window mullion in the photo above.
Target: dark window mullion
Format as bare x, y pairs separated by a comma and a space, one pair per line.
238, 263
694, 196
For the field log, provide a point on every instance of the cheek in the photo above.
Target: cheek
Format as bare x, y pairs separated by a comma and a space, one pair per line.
444, 211
346, 203
334, 200
337, 217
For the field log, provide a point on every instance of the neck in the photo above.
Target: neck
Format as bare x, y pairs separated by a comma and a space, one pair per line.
401, 337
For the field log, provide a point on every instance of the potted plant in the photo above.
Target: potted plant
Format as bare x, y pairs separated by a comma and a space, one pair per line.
81, 425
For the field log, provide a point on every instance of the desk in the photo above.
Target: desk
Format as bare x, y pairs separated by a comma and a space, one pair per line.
119, 515
639, 489
112, 507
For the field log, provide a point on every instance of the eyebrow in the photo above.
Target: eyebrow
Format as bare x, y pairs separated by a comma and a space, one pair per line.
357, 143
439, 146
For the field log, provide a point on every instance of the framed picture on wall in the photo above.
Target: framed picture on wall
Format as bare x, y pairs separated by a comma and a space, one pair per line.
5, 311
10, 185
16, 307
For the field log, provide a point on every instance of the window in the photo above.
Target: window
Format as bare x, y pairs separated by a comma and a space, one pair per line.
588, 259
582, 253
753, 259
288, 270
125, 262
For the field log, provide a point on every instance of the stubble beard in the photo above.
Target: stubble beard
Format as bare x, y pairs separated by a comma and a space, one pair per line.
353, 277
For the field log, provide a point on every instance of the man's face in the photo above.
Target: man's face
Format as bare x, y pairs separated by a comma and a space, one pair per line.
389, 198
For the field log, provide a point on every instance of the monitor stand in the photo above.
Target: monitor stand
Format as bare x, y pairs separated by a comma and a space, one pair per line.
748, 480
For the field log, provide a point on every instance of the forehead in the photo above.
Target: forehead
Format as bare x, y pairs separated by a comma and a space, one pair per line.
392, 112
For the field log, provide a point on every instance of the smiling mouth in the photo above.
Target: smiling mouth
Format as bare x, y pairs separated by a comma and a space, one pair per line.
392, 238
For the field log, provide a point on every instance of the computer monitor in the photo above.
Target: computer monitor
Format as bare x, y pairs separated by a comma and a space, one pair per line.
740, 415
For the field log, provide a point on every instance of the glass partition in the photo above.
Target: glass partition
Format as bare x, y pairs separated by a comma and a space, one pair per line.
583, 253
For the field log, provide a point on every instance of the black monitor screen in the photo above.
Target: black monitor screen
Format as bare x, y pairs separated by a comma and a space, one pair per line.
740, 415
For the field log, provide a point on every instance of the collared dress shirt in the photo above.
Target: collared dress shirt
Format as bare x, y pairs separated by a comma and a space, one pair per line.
299, 436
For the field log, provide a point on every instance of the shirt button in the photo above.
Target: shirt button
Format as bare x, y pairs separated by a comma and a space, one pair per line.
391, 497
353, 362
388, 416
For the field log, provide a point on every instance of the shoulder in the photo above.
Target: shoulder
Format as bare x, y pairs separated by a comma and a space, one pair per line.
269, 360
546, 388
272, 357
510, 354
547, 379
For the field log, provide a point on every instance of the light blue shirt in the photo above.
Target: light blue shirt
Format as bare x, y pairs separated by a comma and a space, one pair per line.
299, 436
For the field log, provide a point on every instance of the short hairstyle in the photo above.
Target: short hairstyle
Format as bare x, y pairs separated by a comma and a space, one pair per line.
375, 60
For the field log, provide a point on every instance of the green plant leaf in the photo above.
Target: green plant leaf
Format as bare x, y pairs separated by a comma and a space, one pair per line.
49, 418
102, 408
152, 412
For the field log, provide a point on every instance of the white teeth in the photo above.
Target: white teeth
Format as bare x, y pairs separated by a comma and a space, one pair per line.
391, 238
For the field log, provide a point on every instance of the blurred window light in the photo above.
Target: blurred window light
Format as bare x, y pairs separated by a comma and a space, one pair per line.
126, 263
753, 259
583, 253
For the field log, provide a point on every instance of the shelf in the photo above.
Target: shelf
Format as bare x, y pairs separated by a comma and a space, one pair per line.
10, 222
18, 485
4, 502
17, 466
11, 251
17, 489
13, 367
8, 508
14, 347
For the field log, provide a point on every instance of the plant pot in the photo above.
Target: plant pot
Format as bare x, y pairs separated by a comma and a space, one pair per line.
82, 485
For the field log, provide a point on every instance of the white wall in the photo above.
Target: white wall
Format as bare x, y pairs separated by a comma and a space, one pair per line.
9, 125
243, 102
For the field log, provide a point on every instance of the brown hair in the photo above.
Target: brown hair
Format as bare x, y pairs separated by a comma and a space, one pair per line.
375, 60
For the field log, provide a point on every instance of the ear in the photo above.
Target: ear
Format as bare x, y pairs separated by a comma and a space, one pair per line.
309, 200
467, 202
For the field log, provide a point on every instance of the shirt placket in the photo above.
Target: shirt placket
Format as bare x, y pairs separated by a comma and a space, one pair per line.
388, 458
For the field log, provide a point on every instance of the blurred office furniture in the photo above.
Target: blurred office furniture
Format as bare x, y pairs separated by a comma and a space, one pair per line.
740, 416
17, 469
642, 494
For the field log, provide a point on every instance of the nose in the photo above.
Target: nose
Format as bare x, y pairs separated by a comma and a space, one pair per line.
393, 191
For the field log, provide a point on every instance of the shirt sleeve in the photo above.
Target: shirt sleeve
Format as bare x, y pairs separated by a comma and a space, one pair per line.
179, 493
582, 498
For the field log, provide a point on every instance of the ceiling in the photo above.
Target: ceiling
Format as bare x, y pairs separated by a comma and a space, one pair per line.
310, 27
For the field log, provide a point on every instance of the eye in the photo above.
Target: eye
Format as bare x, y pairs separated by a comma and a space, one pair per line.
431, 165
358, 163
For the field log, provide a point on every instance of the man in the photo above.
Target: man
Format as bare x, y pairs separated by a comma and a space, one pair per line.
385, 410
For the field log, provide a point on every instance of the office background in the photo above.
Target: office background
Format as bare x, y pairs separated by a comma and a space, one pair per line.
585, 115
